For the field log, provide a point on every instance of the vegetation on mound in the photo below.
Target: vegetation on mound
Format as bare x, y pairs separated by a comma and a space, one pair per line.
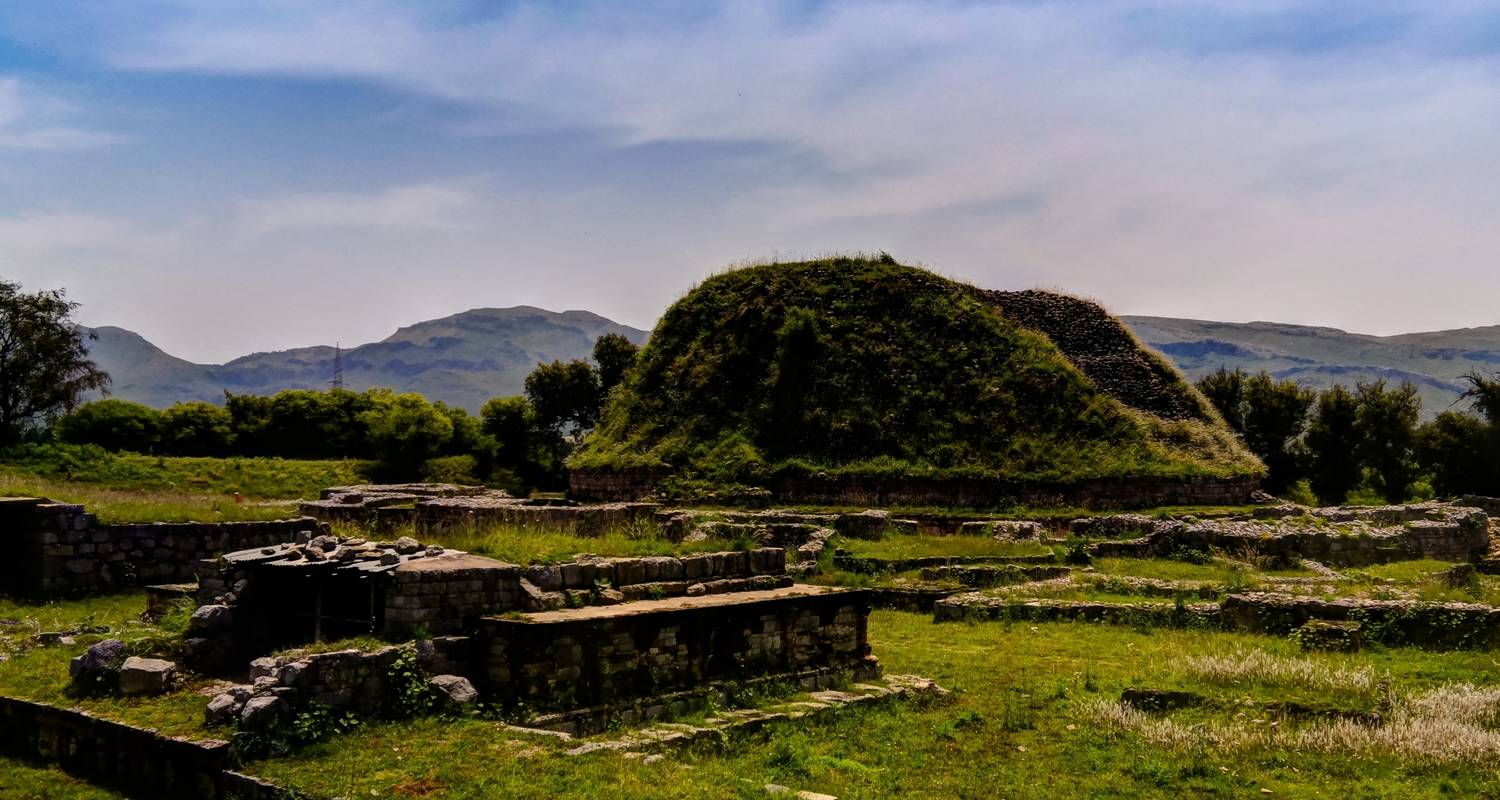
865, 366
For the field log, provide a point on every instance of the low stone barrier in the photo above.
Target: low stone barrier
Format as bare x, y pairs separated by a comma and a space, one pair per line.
599, 656
1391, 622
844, 560
1339, 536
879, 490
983, 576
137, 761
61, 549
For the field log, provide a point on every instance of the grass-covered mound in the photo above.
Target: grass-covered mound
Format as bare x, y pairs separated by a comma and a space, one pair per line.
865, 366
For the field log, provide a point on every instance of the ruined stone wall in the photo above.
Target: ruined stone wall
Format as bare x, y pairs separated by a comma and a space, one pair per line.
61, 549
439, 596
1392, 622
442, 515
141, 762
878, 491
592, 657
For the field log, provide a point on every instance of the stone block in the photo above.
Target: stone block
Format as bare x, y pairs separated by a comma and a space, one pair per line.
147, 676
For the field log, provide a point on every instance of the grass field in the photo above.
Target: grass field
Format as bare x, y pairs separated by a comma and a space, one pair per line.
1026, 723
125, 487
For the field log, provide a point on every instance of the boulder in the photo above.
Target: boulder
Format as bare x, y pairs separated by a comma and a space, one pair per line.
98, 669
325, 543
147, 676
262, 713
211, 619
222, 709
870, 524
611, 597
454, 691
407, 545
697, 590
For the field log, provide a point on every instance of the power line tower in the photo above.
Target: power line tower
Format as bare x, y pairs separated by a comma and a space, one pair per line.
337, 384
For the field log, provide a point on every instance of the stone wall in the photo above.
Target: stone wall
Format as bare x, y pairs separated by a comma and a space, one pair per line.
1391, 622
445, 594
1344, 537
601, 656
61, 549
878, 491
140, 762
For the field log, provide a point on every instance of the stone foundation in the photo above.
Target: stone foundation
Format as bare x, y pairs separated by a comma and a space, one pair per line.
561, 660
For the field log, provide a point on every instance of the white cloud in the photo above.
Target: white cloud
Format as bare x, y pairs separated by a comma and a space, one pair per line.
429, 207
30, 120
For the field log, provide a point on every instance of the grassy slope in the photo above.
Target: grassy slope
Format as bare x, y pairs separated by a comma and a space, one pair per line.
130, 488
915, 374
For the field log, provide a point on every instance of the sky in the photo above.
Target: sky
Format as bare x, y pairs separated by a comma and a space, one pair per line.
226, 177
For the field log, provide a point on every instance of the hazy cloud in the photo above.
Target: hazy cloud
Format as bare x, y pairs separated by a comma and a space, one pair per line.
29, 121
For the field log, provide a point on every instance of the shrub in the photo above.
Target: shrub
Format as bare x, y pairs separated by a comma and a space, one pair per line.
112, 424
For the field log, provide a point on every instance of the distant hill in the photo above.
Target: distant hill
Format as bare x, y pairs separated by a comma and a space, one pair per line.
1321, 357
464, 359
470, 357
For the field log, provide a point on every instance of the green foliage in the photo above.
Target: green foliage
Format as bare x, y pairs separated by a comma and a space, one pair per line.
114, 425
1332, 436
1269, 415
196, 429
405, 431
1387, 424
1458, 450
613, 355
44, 361
848, 366
564, 395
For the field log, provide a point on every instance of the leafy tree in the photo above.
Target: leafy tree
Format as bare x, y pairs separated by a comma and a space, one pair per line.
1226, 390
1456, 449
613, 354
196, 429
510, 423
1275, 418
112, 424
1387, 423
1269, 415
1332, 442
565, 396
45, 370
405, 431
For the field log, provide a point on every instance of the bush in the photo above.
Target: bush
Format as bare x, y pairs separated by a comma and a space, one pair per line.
196, 429
114, 425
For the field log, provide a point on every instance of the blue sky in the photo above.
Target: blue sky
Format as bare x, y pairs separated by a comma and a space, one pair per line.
231, 176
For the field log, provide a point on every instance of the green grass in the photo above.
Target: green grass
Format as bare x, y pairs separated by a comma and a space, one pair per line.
1017, 728
22, 780
41, 673
919, 546
124, 487
544, 544
1400, 571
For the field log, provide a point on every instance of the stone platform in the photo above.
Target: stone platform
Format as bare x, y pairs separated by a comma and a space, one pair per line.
594, 658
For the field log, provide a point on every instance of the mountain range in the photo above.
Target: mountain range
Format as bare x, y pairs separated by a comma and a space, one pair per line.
1435, 361
467, 358
464, 359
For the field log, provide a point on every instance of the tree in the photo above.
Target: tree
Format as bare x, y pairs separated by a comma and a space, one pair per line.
509, 422
45, 370
613, 355
1269, 415
1226, 390
113, 425
565, 396
1387, 422
1332, 443
1456, 450
1275, 417
405, 431
196, 429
